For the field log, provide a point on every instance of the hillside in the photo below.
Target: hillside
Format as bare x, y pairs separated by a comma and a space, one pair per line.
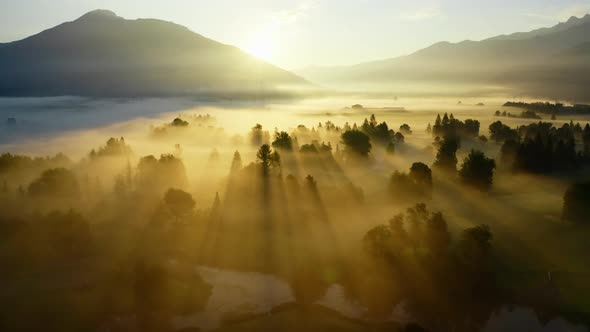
102, 54
547, 62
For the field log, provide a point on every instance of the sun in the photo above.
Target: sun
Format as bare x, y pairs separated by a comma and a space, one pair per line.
262, 49
263, 43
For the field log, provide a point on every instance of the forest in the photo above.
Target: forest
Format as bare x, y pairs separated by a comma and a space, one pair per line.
117, 241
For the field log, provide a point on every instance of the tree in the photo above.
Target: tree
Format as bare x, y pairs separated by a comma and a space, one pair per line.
129, 174
56, 182
160, 174
508, 152
399, 137
258, 136
268, 159
69, 234
478, 170
586, 141
114, 147
405, 129
373, 121
308, 148
390, 148
213, 156
178, 122
152, 297
120, 187
179, 203
500, 132
307, 281
438, 237
378, 132
283, 141
378, 242
446, 157
475, 245
576, 203
416, 184
438, 121
236, 163
356, 143
311, 184
421, 174
216, 207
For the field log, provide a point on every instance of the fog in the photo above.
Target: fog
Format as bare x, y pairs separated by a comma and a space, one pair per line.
161, 214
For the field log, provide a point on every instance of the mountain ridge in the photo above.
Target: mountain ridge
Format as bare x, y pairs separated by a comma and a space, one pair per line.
102, 54
520, 65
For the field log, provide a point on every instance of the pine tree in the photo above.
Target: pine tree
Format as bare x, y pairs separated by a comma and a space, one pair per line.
236, 164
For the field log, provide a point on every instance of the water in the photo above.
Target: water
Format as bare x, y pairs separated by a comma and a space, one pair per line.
238, 294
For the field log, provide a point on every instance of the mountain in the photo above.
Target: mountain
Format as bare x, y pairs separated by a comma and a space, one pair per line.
550, 62
102, 54
570, 23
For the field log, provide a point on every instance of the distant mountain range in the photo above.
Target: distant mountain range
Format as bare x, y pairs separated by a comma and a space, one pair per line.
550, 62
102, 54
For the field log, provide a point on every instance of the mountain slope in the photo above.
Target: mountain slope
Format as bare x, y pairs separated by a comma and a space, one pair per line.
524, 59
570, 23
102, 54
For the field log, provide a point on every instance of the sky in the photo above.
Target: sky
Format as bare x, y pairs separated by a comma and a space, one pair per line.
300, 33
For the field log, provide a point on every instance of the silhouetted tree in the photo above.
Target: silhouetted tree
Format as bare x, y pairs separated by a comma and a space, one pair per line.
213, 157
57, 182
152, 297
178, 122
477, 170
268, 159
308, 148
500, 132
356, 143
307, 282
446, 157
378, 242
508, 151
416, 184
399, 137
576, 203
311, 184
421, 174
449, 126
586, 141
405, 129
120, 186
283, 141
166, 172
258, 136
236, 163
437, 235
475, 245
113, 147
390, 148
216, 207
179, 203
129, 174
68, 233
